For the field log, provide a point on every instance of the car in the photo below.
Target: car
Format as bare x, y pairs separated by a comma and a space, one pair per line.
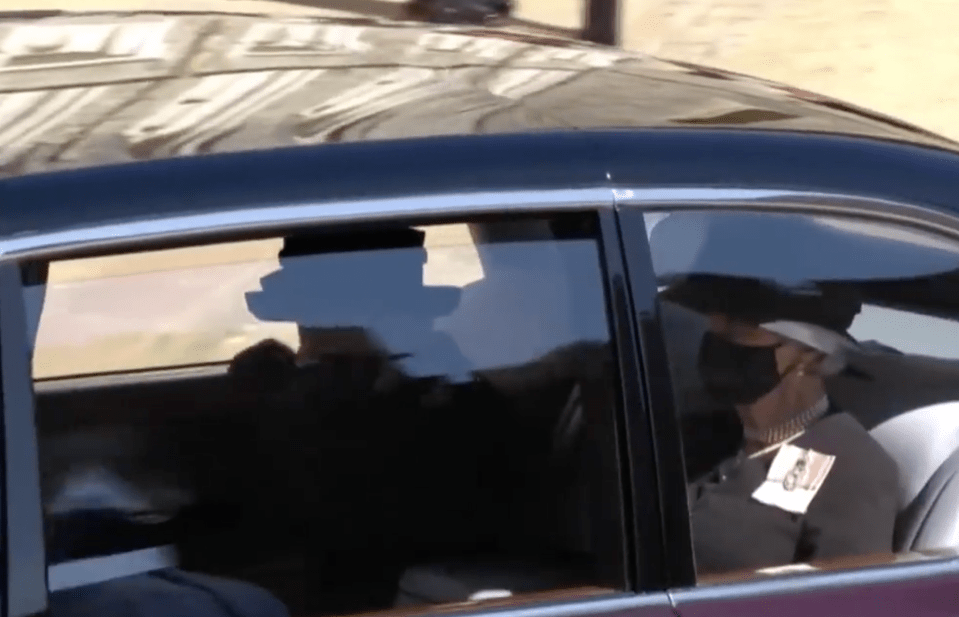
461, 11
319, 316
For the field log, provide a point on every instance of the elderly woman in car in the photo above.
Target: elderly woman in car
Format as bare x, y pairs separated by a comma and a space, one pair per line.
808, 482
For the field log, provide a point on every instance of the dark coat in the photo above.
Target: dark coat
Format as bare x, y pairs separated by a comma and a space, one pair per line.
853, 512
167, 593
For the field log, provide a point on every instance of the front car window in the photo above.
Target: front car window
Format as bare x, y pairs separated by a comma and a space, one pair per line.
815, 362
334, 421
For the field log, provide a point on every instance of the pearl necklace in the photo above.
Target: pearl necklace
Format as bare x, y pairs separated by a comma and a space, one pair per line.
790, 427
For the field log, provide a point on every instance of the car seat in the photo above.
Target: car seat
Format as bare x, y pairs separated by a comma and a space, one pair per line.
925, 445
530, 303
902, 406
551, 541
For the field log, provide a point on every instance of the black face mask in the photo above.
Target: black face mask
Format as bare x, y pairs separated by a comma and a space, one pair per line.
737, 374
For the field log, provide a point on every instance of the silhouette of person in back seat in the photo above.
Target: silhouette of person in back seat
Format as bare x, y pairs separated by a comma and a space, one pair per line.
356, 294
383, 448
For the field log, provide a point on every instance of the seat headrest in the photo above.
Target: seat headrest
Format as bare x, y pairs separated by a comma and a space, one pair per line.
929, 522
898, 383
919, 441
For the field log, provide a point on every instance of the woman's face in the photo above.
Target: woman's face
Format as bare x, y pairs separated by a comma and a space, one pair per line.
741, 362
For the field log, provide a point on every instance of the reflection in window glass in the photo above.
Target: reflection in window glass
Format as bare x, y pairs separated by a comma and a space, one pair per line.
789, 250
333, 422
908, 331
179, 307
814, 362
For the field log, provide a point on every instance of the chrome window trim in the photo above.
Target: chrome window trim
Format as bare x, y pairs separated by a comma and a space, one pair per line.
148, 376
273, 218
197, 227
818, 581
867, 207
614, 603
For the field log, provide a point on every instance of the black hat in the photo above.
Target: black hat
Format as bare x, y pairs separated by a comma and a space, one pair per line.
337, 279
819, 316
828, 305
367, 240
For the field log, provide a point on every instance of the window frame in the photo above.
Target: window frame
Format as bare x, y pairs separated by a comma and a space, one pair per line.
632, 206
643, 592
24, 565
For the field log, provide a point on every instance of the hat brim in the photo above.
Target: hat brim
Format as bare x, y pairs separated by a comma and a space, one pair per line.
813, 336
754, 301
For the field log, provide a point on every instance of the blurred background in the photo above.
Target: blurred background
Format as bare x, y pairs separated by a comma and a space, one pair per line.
894, 56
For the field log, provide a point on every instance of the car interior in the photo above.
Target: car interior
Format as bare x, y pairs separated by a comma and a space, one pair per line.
908, 402
432, 493
902, 386
391, 502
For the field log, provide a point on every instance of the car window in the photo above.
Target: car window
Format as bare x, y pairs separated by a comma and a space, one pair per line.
908, 331
814, 363
94, 319
333, 422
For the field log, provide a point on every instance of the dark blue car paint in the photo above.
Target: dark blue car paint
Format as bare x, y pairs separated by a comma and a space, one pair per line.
888, 170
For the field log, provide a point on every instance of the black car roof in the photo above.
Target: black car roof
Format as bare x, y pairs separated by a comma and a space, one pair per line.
83, 91
88, 92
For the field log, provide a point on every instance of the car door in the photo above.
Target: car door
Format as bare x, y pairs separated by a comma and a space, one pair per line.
151, 387
901, 261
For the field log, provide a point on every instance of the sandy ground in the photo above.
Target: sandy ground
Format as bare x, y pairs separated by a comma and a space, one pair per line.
899, 57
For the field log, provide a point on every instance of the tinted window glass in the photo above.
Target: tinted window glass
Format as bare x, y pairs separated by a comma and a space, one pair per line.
334, 422
815, 363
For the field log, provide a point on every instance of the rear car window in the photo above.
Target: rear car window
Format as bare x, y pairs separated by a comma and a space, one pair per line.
334, 421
